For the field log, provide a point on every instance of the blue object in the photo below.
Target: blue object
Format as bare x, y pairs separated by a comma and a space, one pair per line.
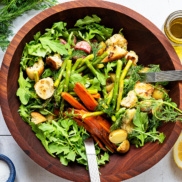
11, 167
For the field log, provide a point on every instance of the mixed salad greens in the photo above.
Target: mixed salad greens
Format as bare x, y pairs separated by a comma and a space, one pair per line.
83, 81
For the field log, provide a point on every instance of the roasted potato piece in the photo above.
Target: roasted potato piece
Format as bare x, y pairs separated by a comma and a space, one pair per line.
54, 61
37, 68
118, 136
44, 88
124, 147
159, 92
109, 87
112, 76
37, 117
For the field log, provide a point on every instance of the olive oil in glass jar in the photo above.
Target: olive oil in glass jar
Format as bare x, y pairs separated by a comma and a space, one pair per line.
173, 31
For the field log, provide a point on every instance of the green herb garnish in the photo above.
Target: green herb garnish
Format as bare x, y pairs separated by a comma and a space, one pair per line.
11, 9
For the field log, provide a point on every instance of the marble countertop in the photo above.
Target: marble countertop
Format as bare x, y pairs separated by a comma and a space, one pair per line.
28, 171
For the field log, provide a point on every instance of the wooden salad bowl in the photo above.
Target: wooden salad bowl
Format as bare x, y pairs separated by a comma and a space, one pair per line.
143, 37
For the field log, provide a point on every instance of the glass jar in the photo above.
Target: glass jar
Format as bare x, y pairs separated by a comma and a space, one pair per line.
173, 31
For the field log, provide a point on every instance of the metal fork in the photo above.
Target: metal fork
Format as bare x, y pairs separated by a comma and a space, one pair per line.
92, 161
162, 76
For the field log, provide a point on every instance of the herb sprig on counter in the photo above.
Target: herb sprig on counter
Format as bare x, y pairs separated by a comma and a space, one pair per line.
11, 9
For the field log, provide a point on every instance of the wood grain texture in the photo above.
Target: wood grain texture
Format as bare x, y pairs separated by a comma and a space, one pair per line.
143, 37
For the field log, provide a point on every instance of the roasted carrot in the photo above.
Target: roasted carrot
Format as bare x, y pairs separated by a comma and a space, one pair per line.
85, 97
96, 96
80, 123
97, 126
104, 123
72, 101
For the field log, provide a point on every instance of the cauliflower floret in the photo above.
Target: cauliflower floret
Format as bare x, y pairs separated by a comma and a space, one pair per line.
117, 39
114, 52
37, 68
144, 90
54, 61
130, 100
127, 120
44, 88
129, 115
131, 55
146, 105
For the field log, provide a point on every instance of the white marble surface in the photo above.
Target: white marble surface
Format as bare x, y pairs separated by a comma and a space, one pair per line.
28, 171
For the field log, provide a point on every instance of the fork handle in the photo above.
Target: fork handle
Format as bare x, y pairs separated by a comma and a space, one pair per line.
93, 169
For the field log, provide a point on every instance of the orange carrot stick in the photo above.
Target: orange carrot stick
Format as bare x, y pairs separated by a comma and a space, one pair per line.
96, 139
104, 123
97, 126
72, 101
96, 96
85, 97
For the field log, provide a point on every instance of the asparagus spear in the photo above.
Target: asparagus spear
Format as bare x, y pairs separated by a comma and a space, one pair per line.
78, 61
96, 73
121, 83
116, 83
98, 60
68, 72
82, 62
66, 82
89, 114
56, 83
109, 97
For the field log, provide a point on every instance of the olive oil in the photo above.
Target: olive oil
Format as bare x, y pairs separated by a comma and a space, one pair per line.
173, 31
176, 28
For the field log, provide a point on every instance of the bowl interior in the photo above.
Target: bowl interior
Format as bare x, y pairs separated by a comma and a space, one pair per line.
143, 37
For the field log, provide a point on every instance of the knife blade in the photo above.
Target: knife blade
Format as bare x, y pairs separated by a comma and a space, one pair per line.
92, 161
162, 76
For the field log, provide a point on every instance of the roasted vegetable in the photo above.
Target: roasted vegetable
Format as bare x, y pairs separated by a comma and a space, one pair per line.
37, 117
159, 92
85, 96
114, 52
44, 88
144, 90
72, 101
54, 61
117, 39
35, 71
124, 147
100, 94
118, 136
97, 126
131, 55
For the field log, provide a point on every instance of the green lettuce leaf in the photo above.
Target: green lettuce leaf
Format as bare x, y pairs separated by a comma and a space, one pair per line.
23, 91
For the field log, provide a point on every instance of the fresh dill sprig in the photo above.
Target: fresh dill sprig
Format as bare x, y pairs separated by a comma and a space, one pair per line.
11, 9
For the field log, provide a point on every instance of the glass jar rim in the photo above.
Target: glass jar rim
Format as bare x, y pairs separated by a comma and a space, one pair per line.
171, 17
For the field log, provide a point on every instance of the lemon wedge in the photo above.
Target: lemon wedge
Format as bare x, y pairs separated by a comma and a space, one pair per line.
177, 151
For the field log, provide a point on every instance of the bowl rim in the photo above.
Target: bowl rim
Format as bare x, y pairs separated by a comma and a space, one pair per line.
49, 12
